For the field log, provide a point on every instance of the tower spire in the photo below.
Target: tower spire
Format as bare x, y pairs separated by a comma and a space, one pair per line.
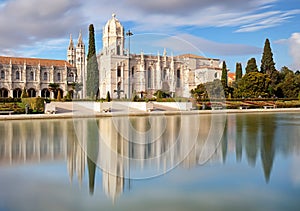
80, 42
71, 44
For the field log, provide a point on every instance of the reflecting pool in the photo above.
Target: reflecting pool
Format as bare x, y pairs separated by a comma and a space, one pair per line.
179, 162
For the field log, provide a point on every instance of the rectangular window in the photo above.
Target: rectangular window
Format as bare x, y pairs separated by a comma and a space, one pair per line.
178, 78
2, 74
119, 72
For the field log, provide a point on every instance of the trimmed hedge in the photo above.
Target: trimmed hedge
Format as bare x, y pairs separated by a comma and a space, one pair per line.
10, 100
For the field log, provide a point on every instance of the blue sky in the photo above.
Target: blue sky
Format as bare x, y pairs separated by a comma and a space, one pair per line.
231, 30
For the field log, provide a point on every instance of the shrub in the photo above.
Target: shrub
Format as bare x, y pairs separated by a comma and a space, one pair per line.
108, 97
68, 97
35, 104
135, 98
10, 100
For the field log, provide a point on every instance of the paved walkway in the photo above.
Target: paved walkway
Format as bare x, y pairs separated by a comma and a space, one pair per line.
74, 110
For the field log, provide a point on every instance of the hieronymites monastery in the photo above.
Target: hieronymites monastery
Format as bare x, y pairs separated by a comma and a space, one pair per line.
120, 73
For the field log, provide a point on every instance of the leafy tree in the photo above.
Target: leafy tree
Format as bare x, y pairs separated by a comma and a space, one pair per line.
92, 81
199, 92
251, 66
252, 85
224, 78
215, 89
267, 62
161, 94
290, 86
68, 96
238, 72
284, 72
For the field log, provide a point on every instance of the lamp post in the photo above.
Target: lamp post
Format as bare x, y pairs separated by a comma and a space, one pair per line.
129, 34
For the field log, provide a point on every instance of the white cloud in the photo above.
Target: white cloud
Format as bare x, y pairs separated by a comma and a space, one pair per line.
188, 43
294, 46
31, 22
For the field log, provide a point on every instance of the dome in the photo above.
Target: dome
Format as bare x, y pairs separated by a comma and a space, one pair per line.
113, 27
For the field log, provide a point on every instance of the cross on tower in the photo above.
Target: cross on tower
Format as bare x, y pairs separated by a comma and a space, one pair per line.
118, 91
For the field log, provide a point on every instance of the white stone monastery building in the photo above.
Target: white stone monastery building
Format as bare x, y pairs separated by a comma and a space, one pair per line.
36, 74
120, 74
139, 73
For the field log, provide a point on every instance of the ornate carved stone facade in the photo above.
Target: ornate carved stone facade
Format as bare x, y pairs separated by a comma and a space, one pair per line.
120, 73
36, 74
139, 73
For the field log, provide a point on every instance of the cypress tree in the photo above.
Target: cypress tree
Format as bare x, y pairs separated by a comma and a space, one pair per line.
267, 62
224, 75
251, 66
108, 99
92, 81
238, 72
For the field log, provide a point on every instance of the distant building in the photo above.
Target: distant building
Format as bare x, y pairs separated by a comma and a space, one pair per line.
231, 78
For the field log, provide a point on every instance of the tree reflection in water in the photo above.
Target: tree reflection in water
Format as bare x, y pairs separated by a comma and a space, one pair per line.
97, 144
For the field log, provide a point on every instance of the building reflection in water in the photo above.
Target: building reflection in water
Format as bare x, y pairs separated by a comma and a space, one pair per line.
157, 144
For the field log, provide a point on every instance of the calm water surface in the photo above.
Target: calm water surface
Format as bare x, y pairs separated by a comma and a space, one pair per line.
218, 162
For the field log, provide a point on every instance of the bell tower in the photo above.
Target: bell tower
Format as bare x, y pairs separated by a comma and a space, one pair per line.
113, 37
71, 57
80, 58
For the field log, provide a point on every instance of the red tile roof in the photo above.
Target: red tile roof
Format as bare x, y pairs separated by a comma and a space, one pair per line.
33, 61
231, 76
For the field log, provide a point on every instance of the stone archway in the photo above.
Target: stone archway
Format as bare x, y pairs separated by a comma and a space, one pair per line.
4, 92
45, 93
61, 93
17, 93
31, 92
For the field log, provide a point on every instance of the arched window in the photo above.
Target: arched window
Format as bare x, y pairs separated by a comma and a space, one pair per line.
216, 75
2, 74
31, 92
119, 72
132, 71
45, 76
58, 77
3, 92
45, 93
178, 78
165, 74
17, 75
17, 93
149, 78
71, 77
31, 76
